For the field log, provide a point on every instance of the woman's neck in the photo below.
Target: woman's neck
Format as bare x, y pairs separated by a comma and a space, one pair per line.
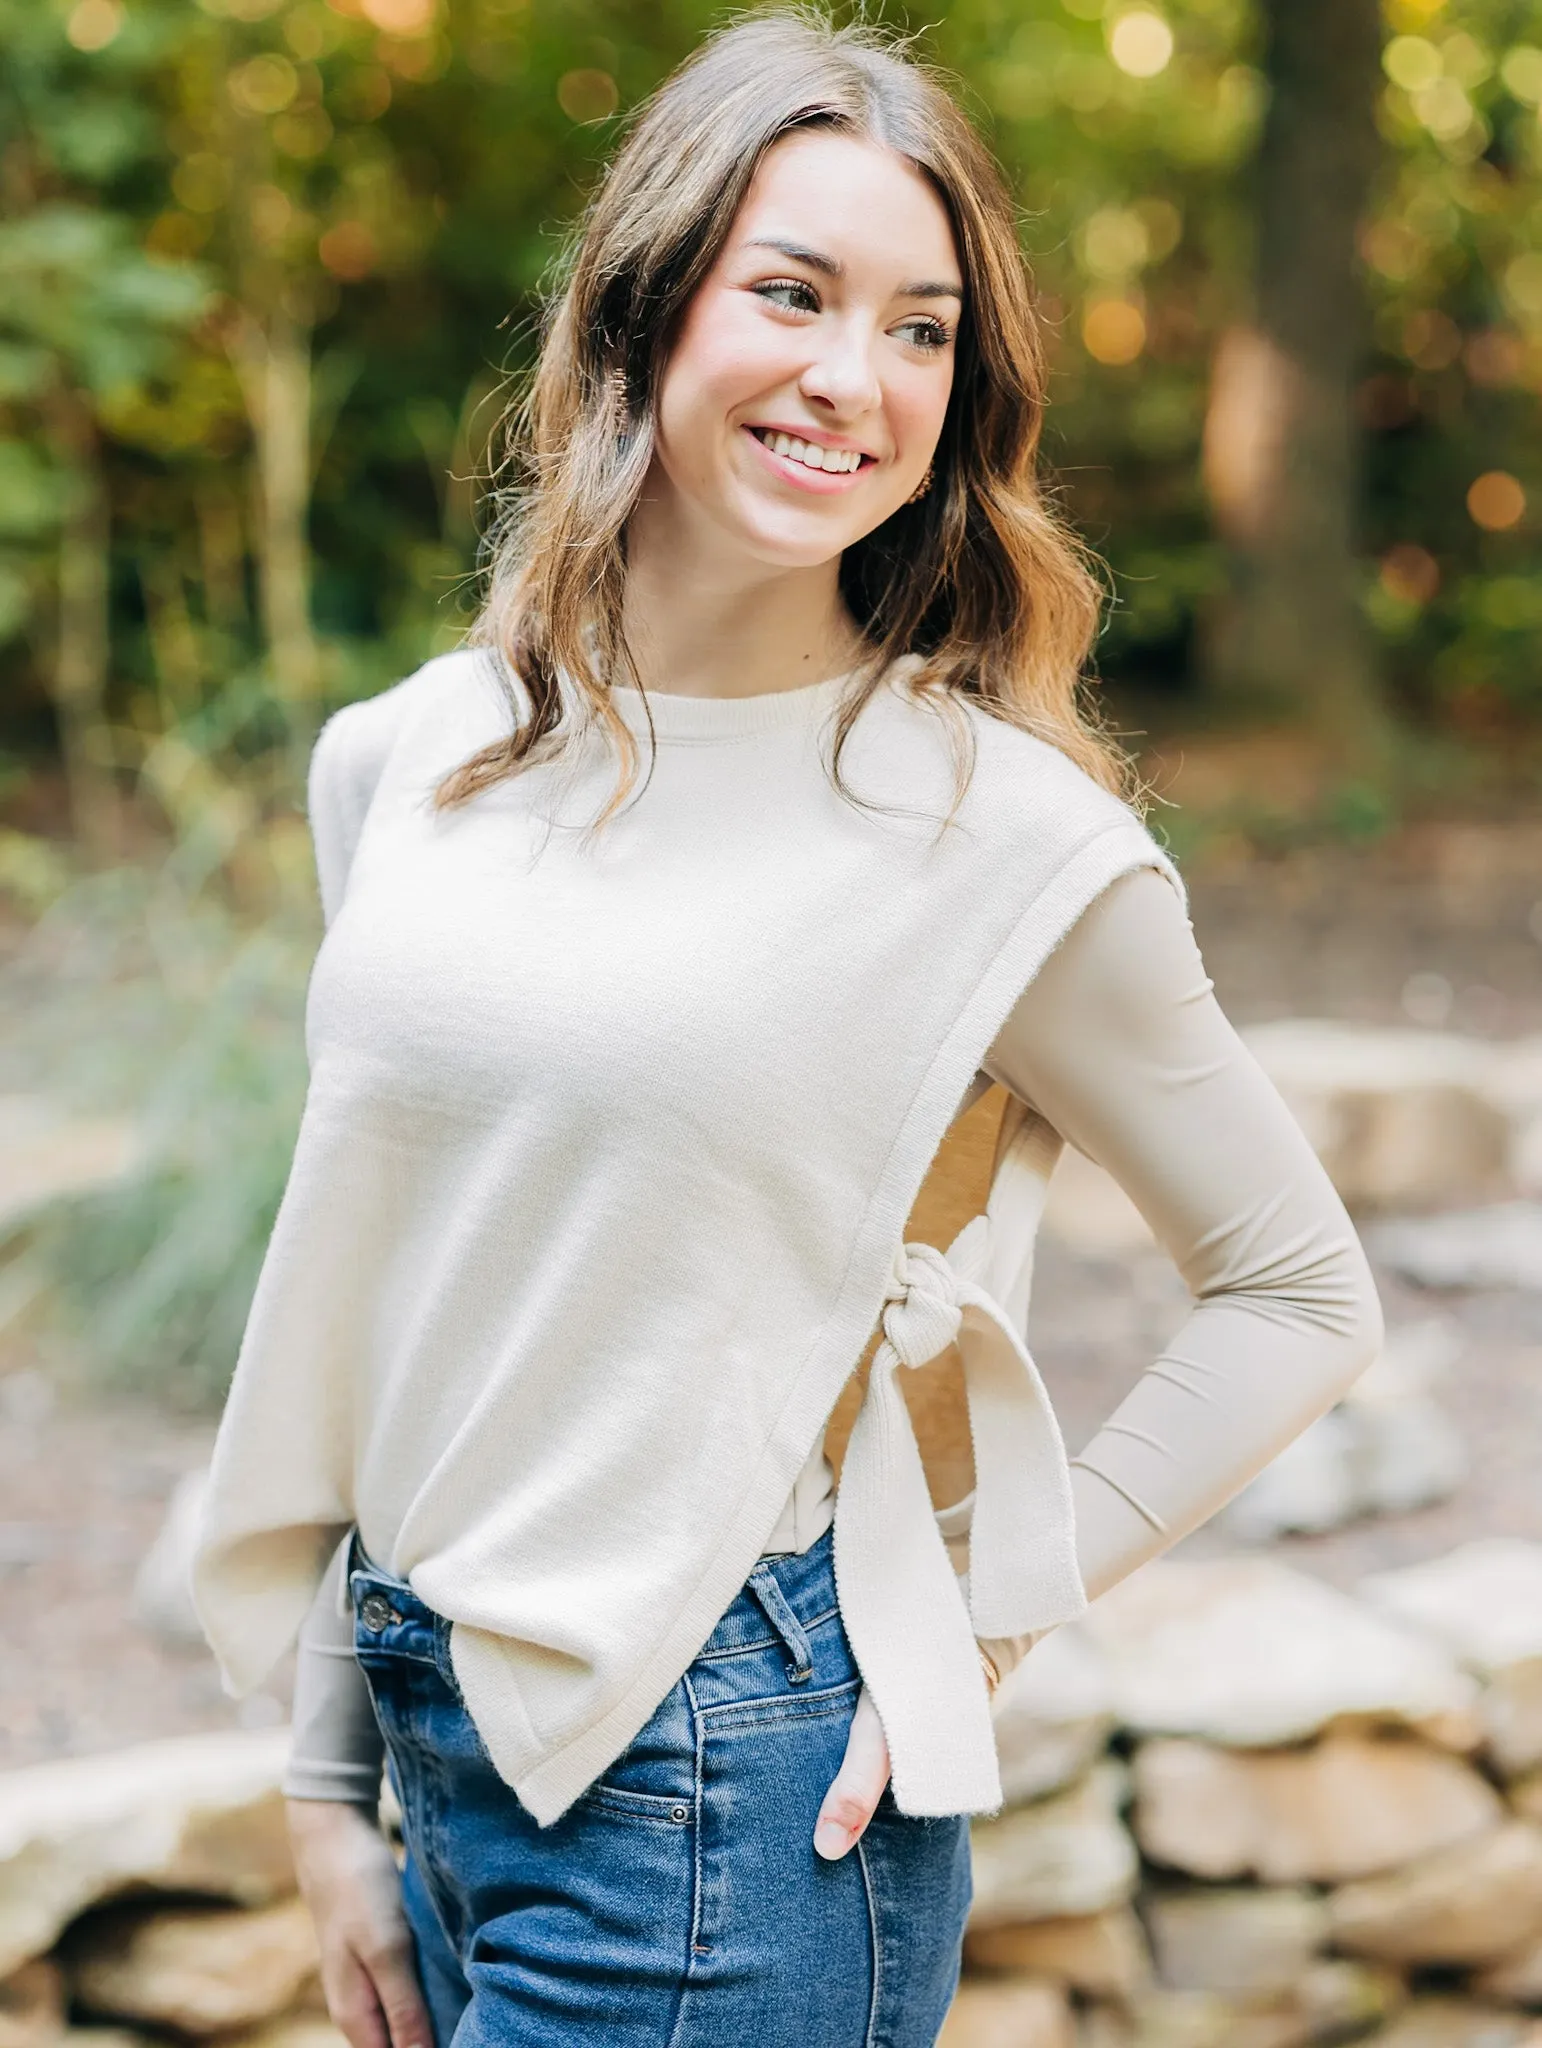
700, 625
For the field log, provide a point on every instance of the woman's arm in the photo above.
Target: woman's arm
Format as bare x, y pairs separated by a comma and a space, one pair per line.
1121, 1044
343, 1864
337, 1752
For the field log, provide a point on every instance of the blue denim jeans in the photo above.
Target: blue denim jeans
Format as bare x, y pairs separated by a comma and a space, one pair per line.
679, 1902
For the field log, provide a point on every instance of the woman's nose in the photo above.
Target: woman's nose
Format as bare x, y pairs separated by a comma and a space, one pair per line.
843, 374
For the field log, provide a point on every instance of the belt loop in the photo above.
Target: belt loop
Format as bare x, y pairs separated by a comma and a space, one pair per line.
775, 1606
353, 1564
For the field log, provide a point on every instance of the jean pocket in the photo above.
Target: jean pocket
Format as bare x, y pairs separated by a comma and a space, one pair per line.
655, 1775
822, 1703
649, 1808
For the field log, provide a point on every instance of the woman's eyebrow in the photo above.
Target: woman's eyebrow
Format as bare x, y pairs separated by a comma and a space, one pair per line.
831, 266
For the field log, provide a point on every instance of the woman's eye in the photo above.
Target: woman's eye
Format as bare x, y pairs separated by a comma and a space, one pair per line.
792, 293
927, 334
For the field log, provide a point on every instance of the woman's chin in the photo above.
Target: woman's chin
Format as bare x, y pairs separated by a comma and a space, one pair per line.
789, 537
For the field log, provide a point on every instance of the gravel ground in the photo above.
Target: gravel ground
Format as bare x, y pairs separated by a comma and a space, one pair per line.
1444, 927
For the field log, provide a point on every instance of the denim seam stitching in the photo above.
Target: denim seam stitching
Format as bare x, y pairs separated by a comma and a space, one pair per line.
687, 1980
795, 1702
739, 1650
443, 1803
433, 1806
774, 1707
870, 2036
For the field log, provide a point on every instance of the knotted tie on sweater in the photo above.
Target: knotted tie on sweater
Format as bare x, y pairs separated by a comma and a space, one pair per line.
903, 1606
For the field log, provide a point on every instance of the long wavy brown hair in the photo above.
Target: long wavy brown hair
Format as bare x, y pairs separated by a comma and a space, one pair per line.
979, 578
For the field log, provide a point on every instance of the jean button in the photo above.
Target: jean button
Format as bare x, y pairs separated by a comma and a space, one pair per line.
680, 1814
376, 1612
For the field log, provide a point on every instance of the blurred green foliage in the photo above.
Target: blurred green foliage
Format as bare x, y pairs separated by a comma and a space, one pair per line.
190, 1021
167, 995
193, 187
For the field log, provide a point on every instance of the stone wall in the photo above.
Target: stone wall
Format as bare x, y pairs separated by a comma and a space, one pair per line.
148, 1894
1244, 1810
1249, 1811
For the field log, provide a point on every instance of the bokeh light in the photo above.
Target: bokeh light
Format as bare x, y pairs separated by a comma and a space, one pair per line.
265, 84
1431, 339
1413, 62
1444, 108
349, 251
1523, 283
587, 95
1113, 331
401, 17
1521, 73
1496, 501
93, 24
1114, 242
1140, 43
1409, 573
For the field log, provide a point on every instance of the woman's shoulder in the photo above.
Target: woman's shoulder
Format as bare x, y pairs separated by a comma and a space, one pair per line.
355, 744
1026, 775
1043, 810
361, 735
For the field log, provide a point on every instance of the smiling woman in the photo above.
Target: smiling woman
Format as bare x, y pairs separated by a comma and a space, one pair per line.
803, 237
622, 1093
805, 373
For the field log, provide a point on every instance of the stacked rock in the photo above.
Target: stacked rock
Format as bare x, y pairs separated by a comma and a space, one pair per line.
148, 1895
1250, 1811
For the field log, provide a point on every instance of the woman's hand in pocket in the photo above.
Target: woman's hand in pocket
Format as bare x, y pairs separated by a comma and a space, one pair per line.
349, 1880
858, 1785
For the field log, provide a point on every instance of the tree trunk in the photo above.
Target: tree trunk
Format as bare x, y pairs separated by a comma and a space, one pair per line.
1281, 458
179, 664
221, 556
82, 647
273, 362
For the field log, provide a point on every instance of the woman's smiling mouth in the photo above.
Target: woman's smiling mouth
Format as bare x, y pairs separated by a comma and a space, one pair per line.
809, 463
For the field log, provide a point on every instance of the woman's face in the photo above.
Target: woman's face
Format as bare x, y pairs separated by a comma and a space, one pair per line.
806, 392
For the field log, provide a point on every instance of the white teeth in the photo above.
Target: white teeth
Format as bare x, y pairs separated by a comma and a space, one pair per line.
811, 455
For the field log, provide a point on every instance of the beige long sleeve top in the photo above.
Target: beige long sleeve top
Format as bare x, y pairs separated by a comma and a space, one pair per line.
1120, 1044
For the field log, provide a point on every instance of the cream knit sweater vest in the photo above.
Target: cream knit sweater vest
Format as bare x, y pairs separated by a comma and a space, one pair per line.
598, 1195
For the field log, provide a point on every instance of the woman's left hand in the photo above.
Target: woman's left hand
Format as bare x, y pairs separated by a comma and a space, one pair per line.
858, 1786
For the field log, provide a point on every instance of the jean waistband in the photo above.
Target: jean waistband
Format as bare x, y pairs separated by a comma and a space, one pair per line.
361, 1565
790, 1592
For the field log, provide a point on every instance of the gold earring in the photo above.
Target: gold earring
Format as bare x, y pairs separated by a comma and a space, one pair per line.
922, 487
616, 398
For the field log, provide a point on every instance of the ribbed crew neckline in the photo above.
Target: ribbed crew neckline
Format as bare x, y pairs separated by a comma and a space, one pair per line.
677, 717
